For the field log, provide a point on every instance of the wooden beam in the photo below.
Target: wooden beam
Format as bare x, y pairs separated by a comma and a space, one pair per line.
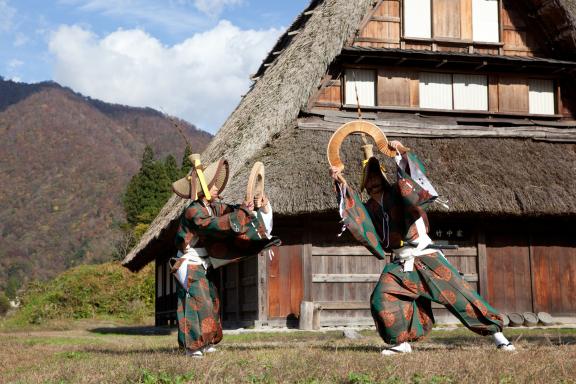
345, 278
399, 62
295, 32
340, 251
343, 305
262, 287
482, 264
484, 63
444, 61
307, 271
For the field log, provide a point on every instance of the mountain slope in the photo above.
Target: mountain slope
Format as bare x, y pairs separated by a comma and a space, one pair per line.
65, 161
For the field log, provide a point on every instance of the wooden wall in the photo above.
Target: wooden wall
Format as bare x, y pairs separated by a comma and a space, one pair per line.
166, 300
451, 23
532, 271
399, 88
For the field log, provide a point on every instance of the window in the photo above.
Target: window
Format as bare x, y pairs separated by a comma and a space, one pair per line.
417, 18
476, 20
541, 97
363, 82
485, 21
435, 90
470, 92
458, 91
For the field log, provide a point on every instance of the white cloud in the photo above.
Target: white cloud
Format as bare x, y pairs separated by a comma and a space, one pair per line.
20, 40
15, 63
200, 79
7, 14
171, 16
214, 7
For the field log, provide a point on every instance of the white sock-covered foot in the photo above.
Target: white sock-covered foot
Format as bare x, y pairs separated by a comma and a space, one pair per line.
209, 349
502, 342
397, 349
197, 354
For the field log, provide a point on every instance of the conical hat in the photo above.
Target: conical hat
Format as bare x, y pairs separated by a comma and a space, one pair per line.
215, 174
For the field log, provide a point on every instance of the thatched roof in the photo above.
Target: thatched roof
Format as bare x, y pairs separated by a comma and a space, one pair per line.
482, 175
295, 164
276, 99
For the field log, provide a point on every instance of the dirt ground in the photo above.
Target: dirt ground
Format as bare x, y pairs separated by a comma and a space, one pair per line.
108, 354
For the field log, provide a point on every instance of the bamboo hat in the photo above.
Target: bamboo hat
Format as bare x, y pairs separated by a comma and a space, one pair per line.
215, 174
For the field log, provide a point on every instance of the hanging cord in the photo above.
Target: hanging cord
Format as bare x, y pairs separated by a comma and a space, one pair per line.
358, 105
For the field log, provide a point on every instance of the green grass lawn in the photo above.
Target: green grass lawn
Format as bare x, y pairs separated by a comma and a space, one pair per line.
105, 354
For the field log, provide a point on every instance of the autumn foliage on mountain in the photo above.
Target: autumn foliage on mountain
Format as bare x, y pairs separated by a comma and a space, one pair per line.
66, 161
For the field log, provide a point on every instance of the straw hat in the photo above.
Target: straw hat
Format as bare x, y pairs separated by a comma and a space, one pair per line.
215, 174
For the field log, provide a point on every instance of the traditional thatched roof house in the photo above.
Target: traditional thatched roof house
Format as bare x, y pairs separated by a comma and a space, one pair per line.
482, 90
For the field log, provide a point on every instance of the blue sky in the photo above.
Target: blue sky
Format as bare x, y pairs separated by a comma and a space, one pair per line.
189, 58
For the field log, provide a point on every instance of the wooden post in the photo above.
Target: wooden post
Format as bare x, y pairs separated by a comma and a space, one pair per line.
316, 317
307, 271
482, 264
306, 316
263, 286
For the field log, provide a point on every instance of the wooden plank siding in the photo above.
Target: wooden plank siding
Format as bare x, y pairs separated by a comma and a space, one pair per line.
451, 24
553, 262
343, 278
507, 93
285, 281
509, 286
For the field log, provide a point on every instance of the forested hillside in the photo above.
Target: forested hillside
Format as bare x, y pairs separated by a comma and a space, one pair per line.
65, 164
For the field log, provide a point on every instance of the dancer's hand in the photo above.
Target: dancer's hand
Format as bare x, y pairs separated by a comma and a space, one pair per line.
336, 174
248, 205
396, 145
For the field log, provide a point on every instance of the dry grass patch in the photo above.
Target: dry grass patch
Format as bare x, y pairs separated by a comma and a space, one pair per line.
545, 356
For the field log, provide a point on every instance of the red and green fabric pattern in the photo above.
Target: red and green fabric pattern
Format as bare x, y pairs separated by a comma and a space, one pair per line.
229, 232
198, 311
401, 301
357, 220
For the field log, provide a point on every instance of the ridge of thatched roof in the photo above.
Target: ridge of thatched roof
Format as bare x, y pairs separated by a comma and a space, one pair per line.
277, 97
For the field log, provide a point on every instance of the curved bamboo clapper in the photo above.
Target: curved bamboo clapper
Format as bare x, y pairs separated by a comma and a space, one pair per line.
255, 185
358, 126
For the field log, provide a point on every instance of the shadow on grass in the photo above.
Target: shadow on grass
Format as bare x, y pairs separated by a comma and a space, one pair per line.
133, 331
135, 351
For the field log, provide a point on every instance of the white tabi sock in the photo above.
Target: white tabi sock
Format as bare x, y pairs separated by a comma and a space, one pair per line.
398, 349
500, 339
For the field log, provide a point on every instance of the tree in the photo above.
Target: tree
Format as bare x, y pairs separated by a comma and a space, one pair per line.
171, 168
147, 191
186, 163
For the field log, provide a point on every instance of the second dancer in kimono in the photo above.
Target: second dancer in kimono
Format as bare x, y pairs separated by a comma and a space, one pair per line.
393, 220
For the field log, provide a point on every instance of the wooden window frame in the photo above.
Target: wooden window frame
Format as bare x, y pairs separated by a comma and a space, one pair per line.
372, 69
452, 86
434, 39
555, 95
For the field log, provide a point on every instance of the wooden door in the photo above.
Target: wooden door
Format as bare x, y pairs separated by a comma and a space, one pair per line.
508, 261
285, 283
554, 274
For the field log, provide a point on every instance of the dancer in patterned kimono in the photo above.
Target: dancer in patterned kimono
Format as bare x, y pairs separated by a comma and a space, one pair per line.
211, 234
393, 220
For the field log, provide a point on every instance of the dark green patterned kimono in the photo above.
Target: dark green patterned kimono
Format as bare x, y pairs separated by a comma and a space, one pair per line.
401, 301
227, 232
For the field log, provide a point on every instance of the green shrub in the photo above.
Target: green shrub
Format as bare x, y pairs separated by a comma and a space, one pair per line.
89, 291
4, 304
